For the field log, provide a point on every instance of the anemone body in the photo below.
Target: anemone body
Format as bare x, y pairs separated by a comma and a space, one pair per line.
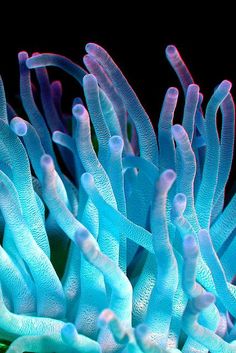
127, 243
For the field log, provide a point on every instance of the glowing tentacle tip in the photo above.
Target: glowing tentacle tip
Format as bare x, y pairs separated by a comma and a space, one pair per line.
169, 175
56, 87
193, 88
91, 48
68, 333
22, 56
89, 61
167, 178
190, 246
141, 330
177, 131
57, 137
173, 92
204, 237
116, 144
225, 86
179, 205
90, 82
172, 52
77, 100
203, 301
79, 111
46, 162
87, 180
180, 199
18, 126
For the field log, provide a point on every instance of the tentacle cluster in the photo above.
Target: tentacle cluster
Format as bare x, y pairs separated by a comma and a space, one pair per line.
127, 244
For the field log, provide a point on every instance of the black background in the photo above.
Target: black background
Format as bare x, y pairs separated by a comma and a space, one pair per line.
136, 38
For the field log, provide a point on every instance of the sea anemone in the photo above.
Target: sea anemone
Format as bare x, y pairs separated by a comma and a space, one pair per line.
115, 238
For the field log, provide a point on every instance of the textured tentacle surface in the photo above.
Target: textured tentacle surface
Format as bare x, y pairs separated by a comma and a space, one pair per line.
114, 238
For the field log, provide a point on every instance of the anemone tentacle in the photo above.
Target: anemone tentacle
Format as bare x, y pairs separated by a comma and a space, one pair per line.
115, 238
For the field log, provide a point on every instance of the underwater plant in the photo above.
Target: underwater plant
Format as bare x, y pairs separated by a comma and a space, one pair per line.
115, 238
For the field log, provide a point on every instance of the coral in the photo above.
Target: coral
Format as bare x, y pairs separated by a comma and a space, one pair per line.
115, 238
